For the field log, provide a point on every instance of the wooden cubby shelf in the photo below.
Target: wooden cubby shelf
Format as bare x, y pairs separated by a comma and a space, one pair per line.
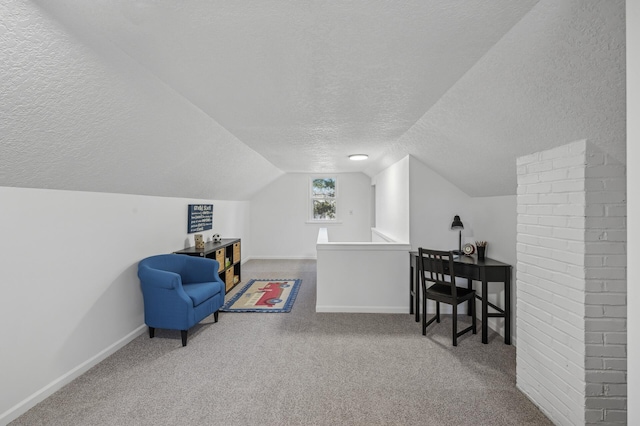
227, 253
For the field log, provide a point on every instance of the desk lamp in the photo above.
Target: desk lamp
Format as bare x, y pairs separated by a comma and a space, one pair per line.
457, 224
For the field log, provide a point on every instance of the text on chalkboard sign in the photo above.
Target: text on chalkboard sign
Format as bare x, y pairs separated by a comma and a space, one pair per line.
200, 217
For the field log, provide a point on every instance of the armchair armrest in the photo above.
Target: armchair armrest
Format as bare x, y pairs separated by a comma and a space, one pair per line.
156, 278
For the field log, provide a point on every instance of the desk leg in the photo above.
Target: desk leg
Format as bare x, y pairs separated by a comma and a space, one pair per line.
485, 307
507, 308
417, 294
411, 292
470, 286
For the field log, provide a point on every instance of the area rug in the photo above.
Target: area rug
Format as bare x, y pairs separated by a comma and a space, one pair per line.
260, 295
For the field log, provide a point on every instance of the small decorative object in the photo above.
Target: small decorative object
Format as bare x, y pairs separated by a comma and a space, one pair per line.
457, 224
199, 241
216, 238
468, 249
482, 247
227, 262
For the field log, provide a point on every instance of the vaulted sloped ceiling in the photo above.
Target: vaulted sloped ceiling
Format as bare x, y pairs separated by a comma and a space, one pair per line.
217, 98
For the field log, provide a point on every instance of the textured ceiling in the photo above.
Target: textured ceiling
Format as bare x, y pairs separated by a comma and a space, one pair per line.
463, 86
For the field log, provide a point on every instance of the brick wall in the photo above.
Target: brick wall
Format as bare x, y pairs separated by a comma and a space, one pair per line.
571, 284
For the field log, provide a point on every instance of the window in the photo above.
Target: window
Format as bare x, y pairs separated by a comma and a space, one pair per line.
323, 199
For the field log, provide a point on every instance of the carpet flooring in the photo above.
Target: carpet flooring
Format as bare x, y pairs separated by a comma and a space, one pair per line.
299, 368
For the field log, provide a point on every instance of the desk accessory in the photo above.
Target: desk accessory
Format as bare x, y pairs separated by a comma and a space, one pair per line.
468, 249
457, 224
482, 247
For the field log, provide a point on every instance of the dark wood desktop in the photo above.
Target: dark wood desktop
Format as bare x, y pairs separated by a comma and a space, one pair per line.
469, 267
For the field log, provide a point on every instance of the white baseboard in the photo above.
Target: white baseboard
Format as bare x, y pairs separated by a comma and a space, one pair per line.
39, 396
363, 309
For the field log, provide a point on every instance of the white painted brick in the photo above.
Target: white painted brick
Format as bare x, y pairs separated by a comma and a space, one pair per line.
614, 299
559, 221
594, 416
541, 231
615, 260
606, 377
615, 390
594, 311
571, 283
540, 209
594, 185
594, 363
615, 185
539, 167
576, 172
569, 210
615, 364
594, 337
526, 159
606, 273
594, 159
595, 286
606, 222
569, 162
553, 175
605, 402
605, 197
576, 222
606, 171
616, 416
554, 198
605, 324
528, 219
595, 389
594, 210
608, 351
616, 286
576, 185
615, 338
614, 211
528, 179
609, 234
606, 248
594, 260
615, 311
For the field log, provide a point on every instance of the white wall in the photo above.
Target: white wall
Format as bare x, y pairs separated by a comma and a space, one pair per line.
350, 278
633, 207
280, 215
434, 203
69, 276
494, 221
392, 201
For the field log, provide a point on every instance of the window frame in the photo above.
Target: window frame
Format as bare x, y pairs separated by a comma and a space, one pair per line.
311, 198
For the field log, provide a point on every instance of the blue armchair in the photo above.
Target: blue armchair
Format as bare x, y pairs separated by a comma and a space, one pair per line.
179, 291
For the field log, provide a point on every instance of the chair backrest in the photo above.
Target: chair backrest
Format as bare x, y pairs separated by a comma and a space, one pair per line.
436, 266
166, 262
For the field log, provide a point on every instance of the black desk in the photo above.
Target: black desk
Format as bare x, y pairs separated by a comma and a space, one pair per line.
471, 268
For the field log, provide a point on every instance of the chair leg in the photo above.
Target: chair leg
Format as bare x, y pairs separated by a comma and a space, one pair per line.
424, 315
183, 333
455, 324
473, 313
152, 332
437, 311
215, 316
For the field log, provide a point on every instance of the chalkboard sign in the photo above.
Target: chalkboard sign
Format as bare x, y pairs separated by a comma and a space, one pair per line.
200, 217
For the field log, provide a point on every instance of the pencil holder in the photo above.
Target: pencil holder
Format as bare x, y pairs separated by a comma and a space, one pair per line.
481, 251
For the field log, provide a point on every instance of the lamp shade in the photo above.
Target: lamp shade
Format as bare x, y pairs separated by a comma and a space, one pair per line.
457, 223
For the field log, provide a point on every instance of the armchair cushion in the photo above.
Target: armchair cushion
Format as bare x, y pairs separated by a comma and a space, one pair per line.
199, 292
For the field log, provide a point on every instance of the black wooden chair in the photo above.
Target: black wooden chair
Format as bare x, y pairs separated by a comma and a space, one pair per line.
435, 267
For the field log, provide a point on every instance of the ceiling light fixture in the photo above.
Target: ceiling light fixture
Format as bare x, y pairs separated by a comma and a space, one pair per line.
358, 157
